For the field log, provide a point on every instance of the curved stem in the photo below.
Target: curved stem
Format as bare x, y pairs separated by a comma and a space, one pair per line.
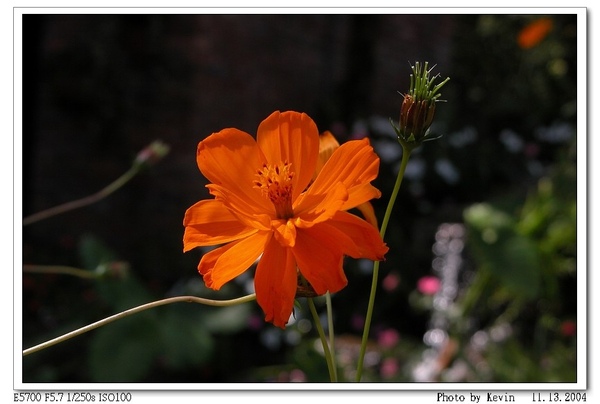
123, 314
88, 200
60, 269
388, 212
326, 351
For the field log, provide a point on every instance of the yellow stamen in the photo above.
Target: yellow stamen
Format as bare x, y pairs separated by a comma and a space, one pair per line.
275, 183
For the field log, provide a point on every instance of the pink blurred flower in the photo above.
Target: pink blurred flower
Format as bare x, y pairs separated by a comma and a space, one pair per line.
428, 285
389, 368
255, 322
568, 328
391, 281
388, 338
297, 376
357, 321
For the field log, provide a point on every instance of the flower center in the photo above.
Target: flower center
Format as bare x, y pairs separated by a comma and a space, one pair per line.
275, 183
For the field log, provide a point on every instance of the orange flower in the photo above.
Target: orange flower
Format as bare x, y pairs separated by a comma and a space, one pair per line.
534, 32
266, 205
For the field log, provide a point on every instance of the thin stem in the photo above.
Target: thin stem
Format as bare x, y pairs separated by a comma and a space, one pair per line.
88, 200
60, 269
388, 212
331, 332
326, 351
135, 310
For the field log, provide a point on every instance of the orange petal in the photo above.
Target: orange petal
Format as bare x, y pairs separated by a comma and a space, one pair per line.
360, 194
221, 265
313, 208
209, 222
359, 239
368, 213
238, 207
275, 283
327, 145
355, 164
285, 232
292, 137
320, 259
230, 158
534, 33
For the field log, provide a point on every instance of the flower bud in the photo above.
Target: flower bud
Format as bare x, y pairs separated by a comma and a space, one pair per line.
418, 108
416, 117
151, 154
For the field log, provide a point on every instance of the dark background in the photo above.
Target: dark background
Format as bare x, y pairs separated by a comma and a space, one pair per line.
99, 88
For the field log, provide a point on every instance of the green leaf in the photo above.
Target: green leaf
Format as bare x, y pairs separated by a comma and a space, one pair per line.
122, 294
229, 319
185, 339
511, 257
517, 265
94, 252
482, 216
124, 351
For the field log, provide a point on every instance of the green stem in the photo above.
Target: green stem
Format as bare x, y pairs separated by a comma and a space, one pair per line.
326, 351
60, 269
135, 310
331, 332
406, 151
88, 200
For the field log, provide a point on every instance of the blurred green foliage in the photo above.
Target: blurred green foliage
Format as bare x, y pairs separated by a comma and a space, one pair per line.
172, 337
526, 277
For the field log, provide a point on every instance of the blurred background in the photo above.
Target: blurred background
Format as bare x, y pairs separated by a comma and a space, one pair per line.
479, 284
